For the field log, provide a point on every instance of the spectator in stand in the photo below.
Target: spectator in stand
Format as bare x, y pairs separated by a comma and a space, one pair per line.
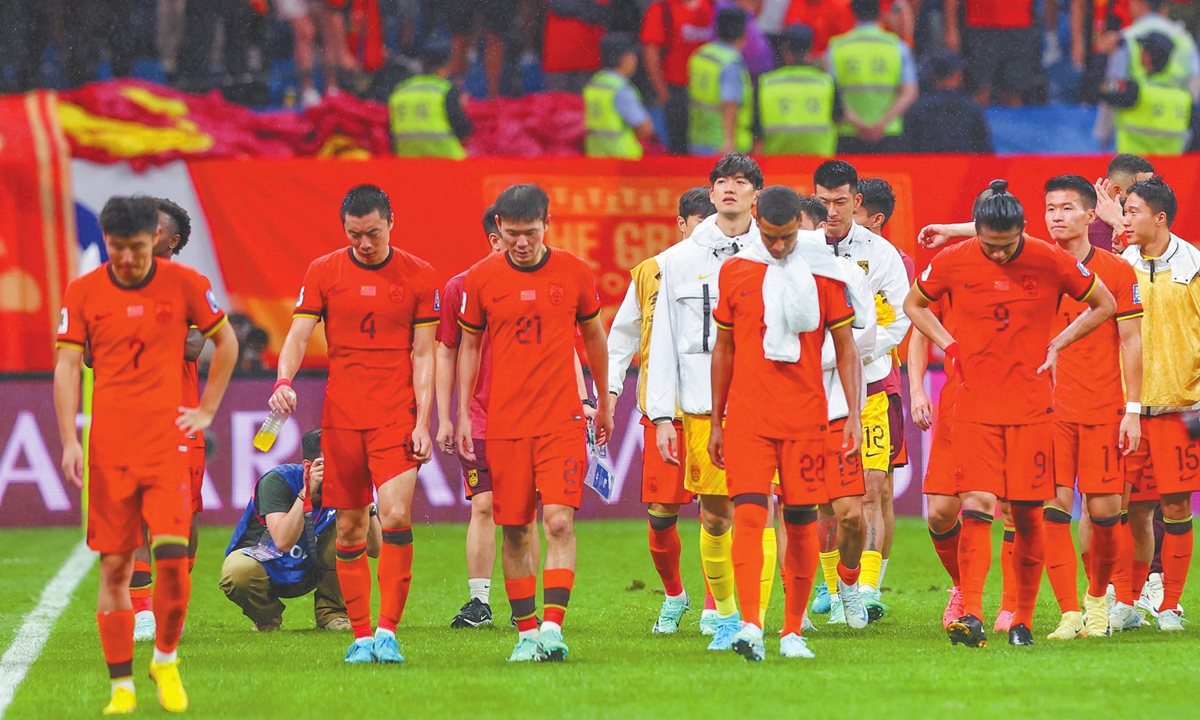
1152, 113
721, 109
615, 117
1123, 171
757, 52
947, 120
495, 18
571, 43
1182, 70
876, 80
671, 31
90, 27
1107, 19
337, 56
241, 29
1000, 46
796, 102
426, 111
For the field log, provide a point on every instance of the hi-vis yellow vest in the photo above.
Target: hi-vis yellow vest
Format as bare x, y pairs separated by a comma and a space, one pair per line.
795, 105
868, 64
417, 109
608, 135
704, 95
1158, 123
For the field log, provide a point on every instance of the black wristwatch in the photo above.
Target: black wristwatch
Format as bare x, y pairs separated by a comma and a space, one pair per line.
589, 402
374, 511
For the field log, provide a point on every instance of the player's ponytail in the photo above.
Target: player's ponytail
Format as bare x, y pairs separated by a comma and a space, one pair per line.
997, 209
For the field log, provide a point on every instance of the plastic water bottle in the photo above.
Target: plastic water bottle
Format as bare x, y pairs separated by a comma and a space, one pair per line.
265, 438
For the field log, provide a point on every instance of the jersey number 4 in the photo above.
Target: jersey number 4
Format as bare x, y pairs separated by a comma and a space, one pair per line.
367, 325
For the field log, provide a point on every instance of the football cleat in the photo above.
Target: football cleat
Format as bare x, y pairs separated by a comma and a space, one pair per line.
1003, 621
1169, 620
360, 652
1110, 596
873, 602
526, 650
727, 627
123, 702
748, 643
954, 608
171, 694
1069, 628
708, 622
967, 630
670, 614
386, 649
1096, 620
794, 646
551, 647
472, 615
837, 612
821, 603
1152, 594
1124, 617
144, 627
1020, 635
853, 606
806, 624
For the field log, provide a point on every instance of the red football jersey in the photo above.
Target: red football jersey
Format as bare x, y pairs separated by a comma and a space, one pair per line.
1089, 390
136, 336
370, 313
999, 13
1003, 317
530, 313
449, 333
679, 30
779, 400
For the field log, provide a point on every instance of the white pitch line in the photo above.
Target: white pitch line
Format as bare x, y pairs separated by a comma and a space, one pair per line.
31, 638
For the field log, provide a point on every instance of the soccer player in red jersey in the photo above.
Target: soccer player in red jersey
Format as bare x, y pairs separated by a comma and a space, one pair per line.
380, 306
133, 313
174, 231
530, 298
1093, 429
771, 415
1006, 289
477, 478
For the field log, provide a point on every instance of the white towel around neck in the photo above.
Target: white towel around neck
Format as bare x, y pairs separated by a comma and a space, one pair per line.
790, 302
811, 245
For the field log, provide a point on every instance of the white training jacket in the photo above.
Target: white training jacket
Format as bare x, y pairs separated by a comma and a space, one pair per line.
889, 282
864, 339
682, 338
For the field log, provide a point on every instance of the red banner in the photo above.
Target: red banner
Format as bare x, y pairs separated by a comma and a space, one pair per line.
37, 230
269, 218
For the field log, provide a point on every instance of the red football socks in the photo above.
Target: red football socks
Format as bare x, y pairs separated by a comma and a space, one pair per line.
521, 592
665, 549
171, 601
116, 639
1008, 587
1105, 544
556, 592
749, 520
974, 559
946, 545
354, 576
800, 564
141, 586
1061, 563
1176, 558
1122, 573
1029, 556
395, 575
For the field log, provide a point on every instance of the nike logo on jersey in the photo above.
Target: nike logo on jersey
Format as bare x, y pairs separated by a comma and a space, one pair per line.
705, 277
971, 286
498, 299
338, 291
848, 483
99, 317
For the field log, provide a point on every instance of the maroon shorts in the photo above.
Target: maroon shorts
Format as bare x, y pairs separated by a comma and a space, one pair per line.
896, 430
477, 478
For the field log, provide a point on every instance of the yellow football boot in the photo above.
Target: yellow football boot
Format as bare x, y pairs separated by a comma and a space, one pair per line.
171, 694
1069, 628
124, 701
1097, 616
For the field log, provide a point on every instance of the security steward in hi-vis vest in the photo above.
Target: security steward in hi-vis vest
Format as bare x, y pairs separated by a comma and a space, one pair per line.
425, 112
867, 62
719, 89
614, 115
796, 102
1153, 112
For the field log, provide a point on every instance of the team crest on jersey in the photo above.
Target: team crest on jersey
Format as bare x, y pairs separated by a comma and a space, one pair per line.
472, 477
1083, 269
162, 313
212, 300
1137, 298
1030, 284
395, 293
300, 301
865, 265
928, 269
64, 318
557, 293
437, 300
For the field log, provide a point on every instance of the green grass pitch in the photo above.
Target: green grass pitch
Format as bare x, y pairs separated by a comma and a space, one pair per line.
902, 666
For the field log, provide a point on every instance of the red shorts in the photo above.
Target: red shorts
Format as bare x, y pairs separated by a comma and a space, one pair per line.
896, 418
1175, 457
662, 482
1145, 485
195, 456
942, 472
751, 462
843, 478
356, 461
477, 478
1012, 462
1089, 453
121, 499
550, 466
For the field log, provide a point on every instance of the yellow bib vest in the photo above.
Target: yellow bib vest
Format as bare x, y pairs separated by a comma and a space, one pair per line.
868, 64
704, 95
608, 135
795, 105
1158, 123
420, 128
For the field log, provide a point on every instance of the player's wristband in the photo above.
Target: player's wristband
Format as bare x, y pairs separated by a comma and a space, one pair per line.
1133, 408
953, 359
282, 382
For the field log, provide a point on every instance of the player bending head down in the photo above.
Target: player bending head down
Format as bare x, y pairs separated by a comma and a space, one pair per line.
999, 222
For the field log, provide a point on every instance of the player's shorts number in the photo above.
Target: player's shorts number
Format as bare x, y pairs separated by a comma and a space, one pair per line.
1189, 457
1039, 461
570, 470
1000, 314
812, 468
527, 325
367, 326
